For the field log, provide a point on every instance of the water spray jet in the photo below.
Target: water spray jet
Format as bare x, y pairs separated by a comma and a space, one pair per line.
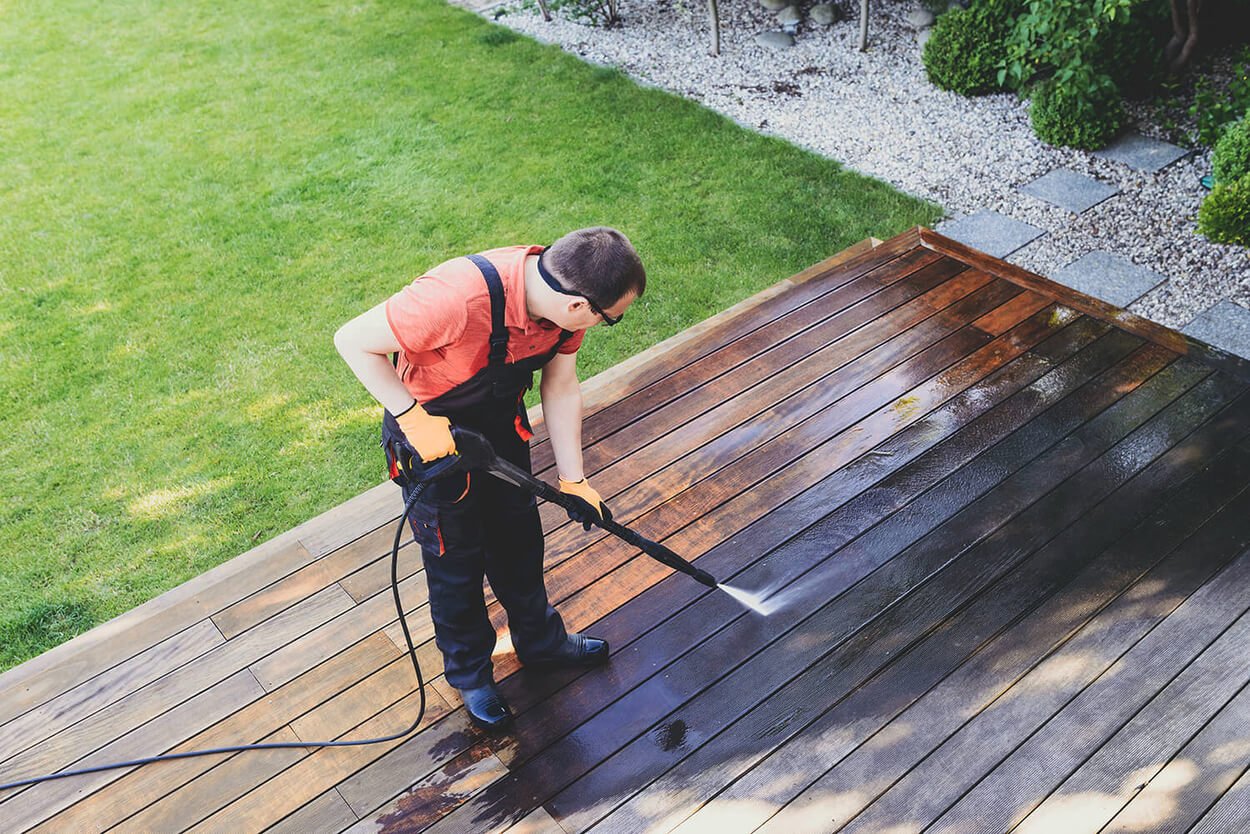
758, 602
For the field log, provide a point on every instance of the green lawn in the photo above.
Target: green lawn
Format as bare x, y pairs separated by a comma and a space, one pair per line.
196, 194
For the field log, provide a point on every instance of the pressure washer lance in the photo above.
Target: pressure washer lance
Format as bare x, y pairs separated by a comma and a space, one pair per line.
477, 454
473, 452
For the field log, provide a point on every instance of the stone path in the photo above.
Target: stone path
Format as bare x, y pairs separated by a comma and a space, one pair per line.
1105, 275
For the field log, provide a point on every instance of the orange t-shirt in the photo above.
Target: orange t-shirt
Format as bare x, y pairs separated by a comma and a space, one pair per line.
442, 322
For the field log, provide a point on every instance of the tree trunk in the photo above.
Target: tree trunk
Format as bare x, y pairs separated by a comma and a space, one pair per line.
713, 17
1186, 16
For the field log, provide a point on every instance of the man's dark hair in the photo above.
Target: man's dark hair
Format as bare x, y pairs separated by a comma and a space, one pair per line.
599, 263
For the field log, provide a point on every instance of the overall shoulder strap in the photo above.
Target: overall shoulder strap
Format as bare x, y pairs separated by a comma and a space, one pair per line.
498, 330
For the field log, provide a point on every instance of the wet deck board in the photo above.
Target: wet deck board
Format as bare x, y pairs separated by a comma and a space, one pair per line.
1008, 527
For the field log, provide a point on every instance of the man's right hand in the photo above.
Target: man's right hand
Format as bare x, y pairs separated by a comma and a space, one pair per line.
428, 435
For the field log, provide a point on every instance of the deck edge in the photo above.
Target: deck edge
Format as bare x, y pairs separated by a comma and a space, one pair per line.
1130, 322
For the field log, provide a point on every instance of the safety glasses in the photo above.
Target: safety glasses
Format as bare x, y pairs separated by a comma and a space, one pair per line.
555, 285
608, 320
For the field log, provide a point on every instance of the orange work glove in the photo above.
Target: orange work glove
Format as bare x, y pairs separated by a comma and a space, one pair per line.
590, 506
429, 436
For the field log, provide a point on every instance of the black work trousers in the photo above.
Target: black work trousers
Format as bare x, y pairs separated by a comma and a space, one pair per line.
471, 525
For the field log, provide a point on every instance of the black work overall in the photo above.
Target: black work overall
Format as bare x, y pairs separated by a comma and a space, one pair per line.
472, 524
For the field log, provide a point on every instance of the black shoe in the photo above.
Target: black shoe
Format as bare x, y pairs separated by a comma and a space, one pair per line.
487, 708
577, 650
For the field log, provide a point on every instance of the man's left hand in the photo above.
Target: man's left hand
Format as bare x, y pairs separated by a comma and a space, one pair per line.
589, 506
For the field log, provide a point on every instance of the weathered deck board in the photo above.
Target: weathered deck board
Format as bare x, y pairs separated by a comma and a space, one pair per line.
141, 787
89, 697
1173, 798
1231, 812
96, 652
856, 771
1084, 724
1096, 790
1011, 523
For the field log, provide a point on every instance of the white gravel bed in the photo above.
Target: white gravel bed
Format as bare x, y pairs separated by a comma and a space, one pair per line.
877, 113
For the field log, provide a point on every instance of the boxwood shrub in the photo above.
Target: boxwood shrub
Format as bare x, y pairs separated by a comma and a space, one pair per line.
1083, 116
1231, 159
965, 49
1224, 216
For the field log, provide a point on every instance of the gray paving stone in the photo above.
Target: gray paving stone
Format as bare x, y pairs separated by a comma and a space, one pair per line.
1142, 152
1070, 190
1226, 325
1109, 277
775, 40
993, 233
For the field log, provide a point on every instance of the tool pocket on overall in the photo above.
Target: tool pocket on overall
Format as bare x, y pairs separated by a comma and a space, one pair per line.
423, 518
440, 521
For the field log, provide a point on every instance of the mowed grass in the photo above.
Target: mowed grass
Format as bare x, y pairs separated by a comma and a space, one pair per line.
197, 194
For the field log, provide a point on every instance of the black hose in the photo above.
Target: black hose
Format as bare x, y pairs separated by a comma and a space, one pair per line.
412, 653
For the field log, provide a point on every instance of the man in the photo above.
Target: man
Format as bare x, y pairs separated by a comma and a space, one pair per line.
467, 337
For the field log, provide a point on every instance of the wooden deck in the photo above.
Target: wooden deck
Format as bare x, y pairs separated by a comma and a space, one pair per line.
1009, 532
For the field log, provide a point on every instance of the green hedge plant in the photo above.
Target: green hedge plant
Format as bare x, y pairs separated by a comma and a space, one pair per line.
966, 48
1214, 108
1231, 159
1085, 115
1224, 216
